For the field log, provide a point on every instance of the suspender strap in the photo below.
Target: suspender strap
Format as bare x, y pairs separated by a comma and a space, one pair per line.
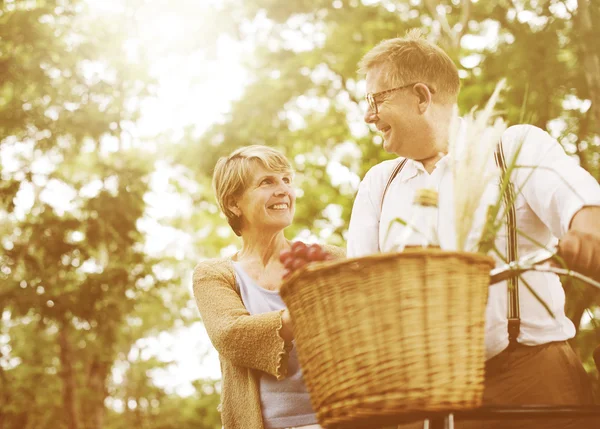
514, 313
397, 170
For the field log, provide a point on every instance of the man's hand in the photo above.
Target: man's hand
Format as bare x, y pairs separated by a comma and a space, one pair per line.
581, 252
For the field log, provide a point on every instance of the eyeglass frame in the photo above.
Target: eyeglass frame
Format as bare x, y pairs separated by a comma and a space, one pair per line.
370, 97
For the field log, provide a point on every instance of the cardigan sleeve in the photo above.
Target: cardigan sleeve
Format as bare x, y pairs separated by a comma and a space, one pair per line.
251, 341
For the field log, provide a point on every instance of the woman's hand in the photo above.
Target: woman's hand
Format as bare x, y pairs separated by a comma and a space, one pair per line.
287, 326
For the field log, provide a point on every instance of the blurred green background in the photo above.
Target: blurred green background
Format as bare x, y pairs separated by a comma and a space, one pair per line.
112, 115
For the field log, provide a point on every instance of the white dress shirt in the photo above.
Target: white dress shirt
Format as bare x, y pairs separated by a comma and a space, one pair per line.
548, 198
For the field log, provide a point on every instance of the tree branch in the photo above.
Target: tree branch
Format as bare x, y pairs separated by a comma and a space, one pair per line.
68, 378
350, 94
464, 19
453, 35
441, 18
344, 82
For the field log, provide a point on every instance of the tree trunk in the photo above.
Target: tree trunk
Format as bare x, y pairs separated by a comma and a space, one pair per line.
68, 378
97, 379
590, 60
4, 395
582, 135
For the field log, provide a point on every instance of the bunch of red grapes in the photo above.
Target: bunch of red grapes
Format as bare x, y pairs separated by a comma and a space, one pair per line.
300, 254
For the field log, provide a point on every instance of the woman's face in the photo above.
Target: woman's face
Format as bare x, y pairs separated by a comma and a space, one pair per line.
269, 201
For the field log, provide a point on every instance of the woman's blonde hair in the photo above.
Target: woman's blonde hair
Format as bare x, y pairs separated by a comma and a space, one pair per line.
233, 173
414, 59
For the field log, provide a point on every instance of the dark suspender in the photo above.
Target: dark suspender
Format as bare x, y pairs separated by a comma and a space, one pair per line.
514, 312
397, 169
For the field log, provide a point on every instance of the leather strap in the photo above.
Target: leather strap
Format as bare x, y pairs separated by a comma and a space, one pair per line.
514, 311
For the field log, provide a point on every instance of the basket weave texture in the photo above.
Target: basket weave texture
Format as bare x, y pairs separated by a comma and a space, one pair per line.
383, 337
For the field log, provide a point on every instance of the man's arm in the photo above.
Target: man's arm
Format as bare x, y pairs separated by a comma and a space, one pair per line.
587, 220
561, 193
555, 187
363, 231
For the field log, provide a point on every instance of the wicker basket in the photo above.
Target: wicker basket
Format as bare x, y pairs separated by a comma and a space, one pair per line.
383, 337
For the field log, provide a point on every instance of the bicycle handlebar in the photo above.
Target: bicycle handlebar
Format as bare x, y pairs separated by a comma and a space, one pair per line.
533, 262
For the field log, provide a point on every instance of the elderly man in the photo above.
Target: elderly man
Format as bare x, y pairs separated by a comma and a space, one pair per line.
412, 89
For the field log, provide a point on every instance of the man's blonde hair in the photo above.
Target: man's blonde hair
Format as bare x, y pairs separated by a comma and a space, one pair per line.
233, 173
412, 58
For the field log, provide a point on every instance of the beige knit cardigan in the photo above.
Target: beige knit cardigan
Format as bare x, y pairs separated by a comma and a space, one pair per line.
247, 344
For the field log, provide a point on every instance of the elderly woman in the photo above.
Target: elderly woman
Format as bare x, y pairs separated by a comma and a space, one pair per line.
239, 299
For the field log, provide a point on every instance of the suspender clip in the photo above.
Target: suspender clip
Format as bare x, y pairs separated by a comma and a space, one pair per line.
514, 327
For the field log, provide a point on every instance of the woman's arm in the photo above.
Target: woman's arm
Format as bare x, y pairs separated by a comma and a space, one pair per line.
252, 341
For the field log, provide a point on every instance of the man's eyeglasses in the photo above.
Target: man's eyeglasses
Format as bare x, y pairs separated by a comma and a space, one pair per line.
373, 96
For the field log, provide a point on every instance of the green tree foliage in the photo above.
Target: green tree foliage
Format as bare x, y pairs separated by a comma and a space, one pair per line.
78, 288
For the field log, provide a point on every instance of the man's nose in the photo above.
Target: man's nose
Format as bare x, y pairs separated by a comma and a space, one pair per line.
370, 116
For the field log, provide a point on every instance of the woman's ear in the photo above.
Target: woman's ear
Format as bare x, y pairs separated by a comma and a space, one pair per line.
233, 207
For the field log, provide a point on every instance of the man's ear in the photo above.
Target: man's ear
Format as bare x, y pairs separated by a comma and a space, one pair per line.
233, 207
424, 95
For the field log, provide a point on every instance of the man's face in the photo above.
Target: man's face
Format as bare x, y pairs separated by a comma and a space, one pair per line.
398, 117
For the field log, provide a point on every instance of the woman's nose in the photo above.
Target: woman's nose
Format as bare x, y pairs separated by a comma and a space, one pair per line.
282, 189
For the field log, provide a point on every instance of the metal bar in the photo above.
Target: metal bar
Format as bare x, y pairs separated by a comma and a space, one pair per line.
565, 272
529, 412
446, 420
511, 270
436, 422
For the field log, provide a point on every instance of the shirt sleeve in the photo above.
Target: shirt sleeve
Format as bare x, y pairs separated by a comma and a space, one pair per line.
251, 341
552, 183
363, 231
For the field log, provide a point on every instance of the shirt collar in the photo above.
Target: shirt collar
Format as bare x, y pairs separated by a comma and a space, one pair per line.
416, 167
